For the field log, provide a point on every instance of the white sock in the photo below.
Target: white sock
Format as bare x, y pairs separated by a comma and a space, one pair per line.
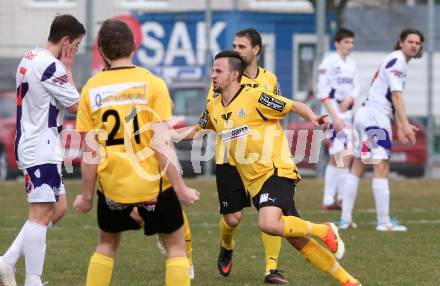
349, 192
342, 175
33, 280
330, 184
381, 193
13, 253
34, 245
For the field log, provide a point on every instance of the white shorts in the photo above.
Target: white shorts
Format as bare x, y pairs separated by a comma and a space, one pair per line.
373, 135
44, 183
340, 141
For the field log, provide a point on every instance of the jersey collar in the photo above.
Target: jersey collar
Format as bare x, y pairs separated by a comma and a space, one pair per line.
258, 72
235, 96
120, 68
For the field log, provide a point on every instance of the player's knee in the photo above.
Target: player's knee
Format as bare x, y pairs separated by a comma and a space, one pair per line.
176, 250
174, 244
59, 209
269, 226
233, 220
107, 248
381, 170
58, 214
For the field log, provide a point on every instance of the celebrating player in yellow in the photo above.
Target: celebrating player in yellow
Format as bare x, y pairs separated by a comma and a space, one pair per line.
121, 107
247, 120
231, 192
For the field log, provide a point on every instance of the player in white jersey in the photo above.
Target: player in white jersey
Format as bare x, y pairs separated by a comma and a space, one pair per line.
337, 89
372, 124
45, 87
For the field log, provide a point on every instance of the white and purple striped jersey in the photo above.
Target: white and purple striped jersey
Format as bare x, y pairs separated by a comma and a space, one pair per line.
390, 77
337, 79
43, 92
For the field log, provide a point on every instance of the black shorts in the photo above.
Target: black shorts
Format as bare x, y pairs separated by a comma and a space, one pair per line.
278, 192
163, 215
232, 195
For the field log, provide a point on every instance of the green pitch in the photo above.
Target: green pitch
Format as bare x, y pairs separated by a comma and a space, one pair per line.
411, 258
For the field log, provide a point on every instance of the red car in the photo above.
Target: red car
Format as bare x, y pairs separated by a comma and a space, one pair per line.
8, 165
311, 155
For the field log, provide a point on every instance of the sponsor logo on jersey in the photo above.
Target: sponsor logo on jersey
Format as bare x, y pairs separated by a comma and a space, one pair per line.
118, 94
60, 80
30, 56
226, 116
241, 113
234, 133
344, 80
252, 85
271, 102
397, 73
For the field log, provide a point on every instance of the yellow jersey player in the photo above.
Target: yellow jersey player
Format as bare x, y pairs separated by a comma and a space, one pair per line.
120, 110
245, 119
231, 192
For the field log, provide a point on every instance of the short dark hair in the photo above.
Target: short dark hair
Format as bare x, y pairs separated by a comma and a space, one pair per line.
235, 62
115, 39
343, 33
253, 36
404, 34
65, 25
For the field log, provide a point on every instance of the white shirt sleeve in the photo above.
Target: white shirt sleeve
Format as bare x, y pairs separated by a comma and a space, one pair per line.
324, 86
54, 79
395, 73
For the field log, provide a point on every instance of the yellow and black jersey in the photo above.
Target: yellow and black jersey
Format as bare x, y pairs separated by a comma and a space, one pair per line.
266, 81
249, 132
116, 104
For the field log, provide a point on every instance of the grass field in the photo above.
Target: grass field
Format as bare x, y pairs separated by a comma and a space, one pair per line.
411, 258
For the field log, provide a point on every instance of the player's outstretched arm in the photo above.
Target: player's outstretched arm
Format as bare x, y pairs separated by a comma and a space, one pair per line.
90, 158
305, 112
167, 157
186, 133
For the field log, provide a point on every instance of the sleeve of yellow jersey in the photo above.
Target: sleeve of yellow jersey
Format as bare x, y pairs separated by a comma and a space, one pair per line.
161, 101
273, 106
84, 122
204, 120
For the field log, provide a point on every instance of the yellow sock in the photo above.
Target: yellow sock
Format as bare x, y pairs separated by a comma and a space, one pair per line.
100, 270
272, 246
227, 234
297, 227
342, 275
324, 261
294, 226
177, 272
318, 230
188, 241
